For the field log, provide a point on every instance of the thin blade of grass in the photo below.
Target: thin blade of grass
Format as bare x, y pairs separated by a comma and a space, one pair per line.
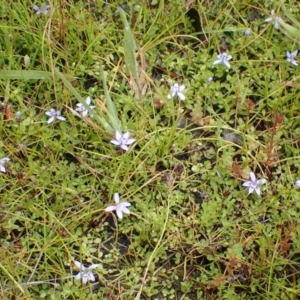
130, 52
111, 108
24, 74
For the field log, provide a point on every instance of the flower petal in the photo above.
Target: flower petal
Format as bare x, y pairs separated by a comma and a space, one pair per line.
124, 147
110, 208
91, 277
51, 120
48, 113
247, 183
79, 265
93, 266
119, 213
251, 190
88, 100
130, 141
252, 177
268, 20
181, 96
4, 160
218, 61
126, 210
126, 135
85, 278
257, 190
78, 276
118, 135
261, 181
117, 198
181, 88
297, 184
227, 64
117, 143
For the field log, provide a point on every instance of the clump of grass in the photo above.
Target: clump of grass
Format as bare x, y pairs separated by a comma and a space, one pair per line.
193, 231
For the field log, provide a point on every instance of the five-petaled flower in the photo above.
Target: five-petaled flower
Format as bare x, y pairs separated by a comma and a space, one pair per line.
54, 114
274, 19
176, 90
41, 10
122, 140
253, 184
85, 274
290, 57
82, 109
119, 207
3, 161
224, 59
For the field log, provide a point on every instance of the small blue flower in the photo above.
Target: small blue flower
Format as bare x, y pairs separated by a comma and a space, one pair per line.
122, 140
54, 114
224, 59
176, 90
253, 184
119, 207
82, 109
85, 274
274, 19
290, 57
41, 10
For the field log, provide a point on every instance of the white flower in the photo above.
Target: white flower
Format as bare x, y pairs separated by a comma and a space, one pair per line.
247, 32
291, 57
18, 117
82, 109
120, 207
297, 184
253, 184
122, 140
54, 114
43, 9
85, 274
176, 90
274, 19
209, 79
223, 58
2, 163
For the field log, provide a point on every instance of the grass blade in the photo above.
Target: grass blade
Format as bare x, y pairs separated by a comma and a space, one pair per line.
24, 74
130, 55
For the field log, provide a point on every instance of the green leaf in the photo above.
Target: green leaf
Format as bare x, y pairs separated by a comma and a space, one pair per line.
111, 108
24, 74
130, 50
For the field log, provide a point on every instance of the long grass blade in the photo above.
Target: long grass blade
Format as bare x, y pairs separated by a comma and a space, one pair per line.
130, 51
24, 74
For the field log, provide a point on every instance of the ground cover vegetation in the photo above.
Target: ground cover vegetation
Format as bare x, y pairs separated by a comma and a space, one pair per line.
149, 149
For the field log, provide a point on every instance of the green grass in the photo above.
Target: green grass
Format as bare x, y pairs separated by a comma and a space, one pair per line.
193, 232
